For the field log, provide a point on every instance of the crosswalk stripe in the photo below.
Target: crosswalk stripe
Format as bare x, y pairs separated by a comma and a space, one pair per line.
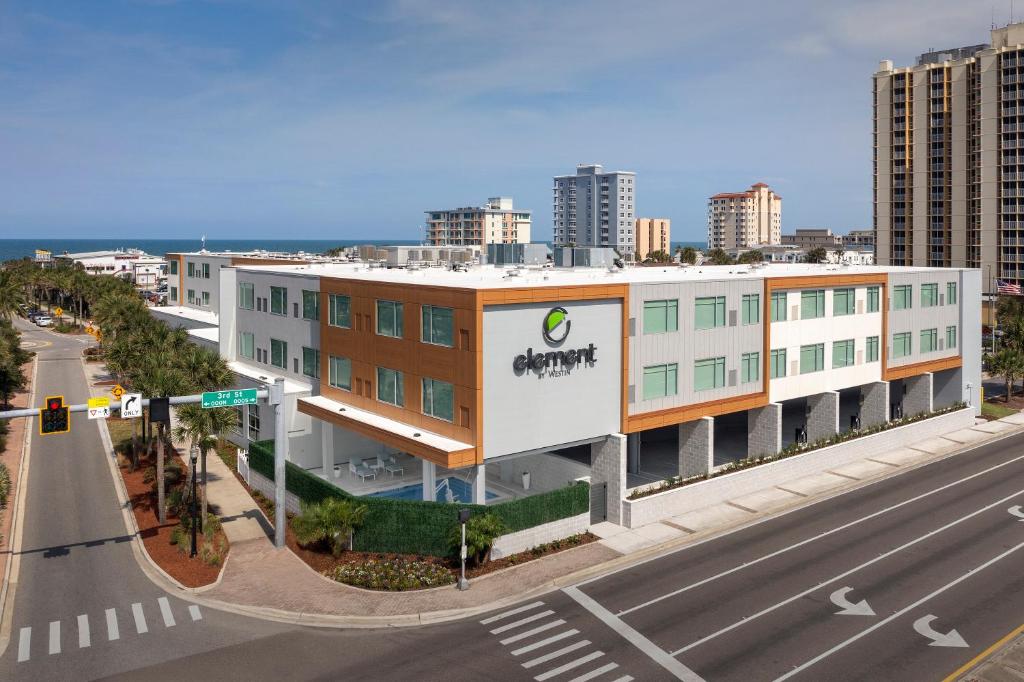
522, 621
194, 611
165, 611
555, 654
112, 630
500, 616
544, 642
24, 644
140, 619
54, 637
596, 673
569, 666
83, 631
531, 633
624, 678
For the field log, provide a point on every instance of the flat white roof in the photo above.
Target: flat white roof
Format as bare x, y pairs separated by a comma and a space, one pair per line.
101, 254
205, 316
260, 374
206, 333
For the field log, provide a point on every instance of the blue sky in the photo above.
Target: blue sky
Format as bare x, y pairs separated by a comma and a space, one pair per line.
348, 119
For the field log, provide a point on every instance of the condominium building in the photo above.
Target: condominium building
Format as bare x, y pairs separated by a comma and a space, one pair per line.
594, 208
859, 238
653, 234
812, 238
948, 165
496, 222
739, 219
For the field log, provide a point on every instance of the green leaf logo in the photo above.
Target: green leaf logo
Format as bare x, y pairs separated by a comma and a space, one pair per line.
556, 325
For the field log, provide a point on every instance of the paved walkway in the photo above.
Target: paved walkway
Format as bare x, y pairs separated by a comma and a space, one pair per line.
1005, 664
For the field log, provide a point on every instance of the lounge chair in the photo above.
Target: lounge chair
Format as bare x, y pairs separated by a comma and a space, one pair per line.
391, 466
362, 471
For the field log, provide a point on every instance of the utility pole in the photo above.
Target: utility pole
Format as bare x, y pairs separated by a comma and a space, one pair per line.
280, 446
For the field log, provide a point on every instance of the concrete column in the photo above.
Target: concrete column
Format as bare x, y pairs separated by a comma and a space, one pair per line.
822, 415
608, 466
633, 453
918, 397
327, 441
429, 481
764, 430
480, 485
697, 447
874, 408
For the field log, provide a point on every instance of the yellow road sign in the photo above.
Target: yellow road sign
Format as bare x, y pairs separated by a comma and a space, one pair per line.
118, 391
58, 311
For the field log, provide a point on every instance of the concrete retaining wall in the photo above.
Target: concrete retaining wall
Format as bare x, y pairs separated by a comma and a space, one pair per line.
520, 541
717, 490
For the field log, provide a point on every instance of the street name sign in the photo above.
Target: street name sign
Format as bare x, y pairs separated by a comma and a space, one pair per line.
245, 396
99, 408
131, 406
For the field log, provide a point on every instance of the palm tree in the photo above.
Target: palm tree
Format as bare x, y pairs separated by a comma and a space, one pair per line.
331, 521
202, 428
1008, 362
12, 293
688, 255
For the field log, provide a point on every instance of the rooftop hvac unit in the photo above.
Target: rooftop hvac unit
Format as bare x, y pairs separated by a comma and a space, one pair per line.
380, 254
412, 254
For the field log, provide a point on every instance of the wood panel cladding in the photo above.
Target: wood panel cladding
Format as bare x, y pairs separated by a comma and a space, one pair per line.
904, 371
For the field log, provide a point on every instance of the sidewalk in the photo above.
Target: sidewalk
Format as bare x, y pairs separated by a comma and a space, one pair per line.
1003, 663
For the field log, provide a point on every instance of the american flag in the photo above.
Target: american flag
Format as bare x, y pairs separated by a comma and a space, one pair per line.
1010, 288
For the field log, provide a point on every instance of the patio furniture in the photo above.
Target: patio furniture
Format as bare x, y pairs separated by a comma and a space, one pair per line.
393, 467
377, 464
362, 471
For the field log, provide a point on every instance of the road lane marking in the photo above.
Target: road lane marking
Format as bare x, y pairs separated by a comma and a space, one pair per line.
501, 616
595, 673
1017, 511
654, 652
522, 621
194, 612
24, 644
140, 618
531, 633
569, 666
555, 654
841, 576
819, 536
955, 675
54, 637
923, 627
624, 678
544, 642
906, 609
165, 611
84, 639
848, 608
112, 630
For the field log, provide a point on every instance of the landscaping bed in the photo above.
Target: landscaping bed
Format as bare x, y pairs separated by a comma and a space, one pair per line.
12, 441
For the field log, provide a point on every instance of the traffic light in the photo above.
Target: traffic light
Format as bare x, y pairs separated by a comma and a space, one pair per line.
55, 417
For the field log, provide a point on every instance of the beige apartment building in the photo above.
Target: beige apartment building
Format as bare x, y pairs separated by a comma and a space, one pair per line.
496, 222
812, 238
948, 160
741, 219
653, 234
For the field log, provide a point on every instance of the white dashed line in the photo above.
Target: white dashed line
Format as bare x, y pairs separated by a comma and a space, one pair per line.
596, 673
555, 654
522, 621
500, 616
112, 630
83, 631
531, 633
54, 637
140, 618
545, 642
569, 666
165, 611
24, 644
194, 611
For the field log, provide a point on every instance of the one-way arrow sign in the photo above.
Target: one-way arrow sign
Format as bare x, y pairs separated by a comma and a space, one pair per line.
861, 608
952, 639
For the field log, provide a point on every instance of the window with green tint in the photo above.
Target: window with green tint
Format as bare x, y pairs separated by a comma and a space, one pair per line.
929, 340
951, 336
751, 308
438, 399
311, 362
191, 295
873, 299
246, 295
902, 297
750, 367
246, 345
339, 311
191, 269
206, 271
842, 301
901, 345
871, 349
206, 298
339, 372
777, 366
929, 295
710, 312
842, 353
279, 353
310, 305
661, 316
950, 293
778, 306
389, 318
174, 293
174, 266
278, 300
437, 326
708, 374
390, 387
812, 304
812, 358
661, 381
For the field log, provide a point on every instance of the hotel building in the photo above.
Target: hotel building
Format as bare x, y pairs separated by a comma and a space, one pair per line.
496, 222
594, 208
742, 219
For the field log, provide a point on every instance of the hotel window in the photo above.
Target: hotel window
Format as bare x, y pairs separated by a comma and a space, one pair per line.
901, 345
951, 337
872, 349
173, 266
661, 381
710, 312
339, 373
873, 299
708, 374
191, 269
661, 316
777, 366
339, 311
902, 296
950, 293
812, 304
438, 399
206, 298
778, 306
191, 295
310, 305
246, 295
437, 326
279, 353
812, 358
239, 421
842, 353
929, 340
278, 300
311, 362
206, 271
751, 309
245, 345
254, 422
842, 301
929, 295
389, 387
389, 318
174, 293
750, 367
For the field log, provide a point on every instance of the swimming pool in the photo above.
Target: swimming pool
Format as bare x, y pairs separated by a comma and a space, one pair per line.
462, 491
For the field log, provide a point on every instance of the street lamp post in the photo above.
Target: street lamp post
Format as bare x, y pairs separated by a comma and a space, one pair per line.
193, 456
463, 518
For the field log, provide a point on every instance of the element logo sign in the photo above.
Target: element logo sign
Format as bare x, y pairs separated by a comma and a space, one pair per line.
556, 325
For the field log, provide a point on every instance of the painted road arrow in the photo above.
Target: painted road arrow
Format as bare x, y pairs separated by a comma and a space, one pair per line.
1017, 511
952, 639
861, 608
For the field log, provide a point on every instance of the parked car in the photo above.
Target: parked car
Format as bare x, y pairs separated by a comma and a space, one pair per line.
33, 315
44, 320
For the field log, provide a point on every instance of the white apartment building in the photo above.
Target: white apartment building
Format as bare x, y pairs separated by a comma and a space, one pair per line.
594, 208
741, 219
496, 222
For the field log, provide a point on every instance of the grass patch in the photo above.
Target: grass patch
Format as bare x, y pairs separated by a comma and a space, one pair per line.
228, 452
996, 411
120, 430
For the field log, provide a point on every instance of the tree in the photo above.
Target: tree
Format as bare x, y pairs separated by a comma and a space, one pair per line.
12, 293
816, 255
718, 257
201, 428
658, 257
688, 255
1008, 363
12, 357
481, 532
1010, 313
330, 521
753, 256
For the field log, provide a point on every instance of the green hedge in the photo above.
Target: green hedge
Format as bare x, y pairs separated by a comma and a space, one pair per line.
415, 527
